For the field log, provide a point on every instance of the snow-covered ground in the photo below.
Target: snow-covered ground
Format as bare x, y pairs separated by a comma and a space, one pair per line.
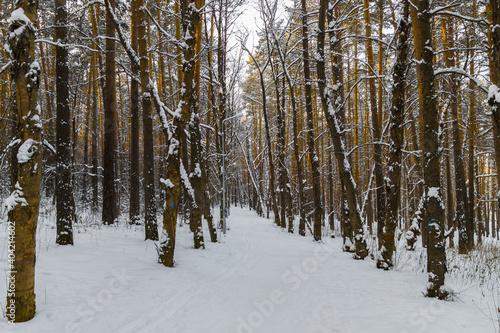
258, 279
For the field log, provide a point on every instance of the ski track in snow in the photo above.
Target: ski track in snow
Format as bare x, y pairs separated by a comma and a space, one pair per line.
229, 287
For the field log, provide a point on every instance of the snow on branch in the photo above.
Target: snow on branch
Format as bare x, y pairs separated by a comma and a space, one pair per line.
5, 67
160, 106
170, 37
187, 183
459, 71
18, 15
439, 10
15, 198
50, 147
464, 17
121, 36
26, 151
46, 41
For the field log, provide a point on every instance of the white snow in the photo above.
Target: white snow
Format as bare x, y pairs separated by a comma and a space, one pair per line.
167, 183
26, 151
434, 193
7, 49
258, 279
186, 182
18, 15
494, 92
15, 198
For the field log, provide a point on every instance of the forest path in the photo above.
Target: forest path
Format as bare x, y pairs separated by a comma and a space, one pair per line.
258, 279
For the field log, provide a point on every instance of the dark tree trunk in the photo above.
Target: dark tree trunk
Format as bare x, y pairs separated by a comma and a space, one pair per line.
316, 174
433, 203
190, 18
338, 96
64, 182
462, 210
135, 198
396, 141
332, 114
377, 148
283, 176
450, 211
298, 160
196, 176
109, 209
495, 80
151, 228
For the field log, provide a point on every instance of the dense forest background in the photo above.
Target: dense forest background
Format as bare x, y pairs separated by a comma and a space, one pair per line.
369, 120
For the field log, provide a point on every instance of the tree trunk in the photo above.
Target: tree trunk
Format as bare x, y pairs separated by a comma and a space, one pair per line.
64, 182
283, 176
472, 134
418, 136
298, 160
196, 178
377, 148
197, 155
462, 210
450, 211
95, 119
23, 203
316, 175
336, 128
396, 141
495, 80
151, 228
109, 209
338, 80
207, 211
135, 198
433, 203
190, 15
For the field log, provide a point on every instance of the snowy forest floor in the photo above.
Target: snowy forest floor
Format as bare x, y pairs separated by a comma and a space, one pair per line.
258, 279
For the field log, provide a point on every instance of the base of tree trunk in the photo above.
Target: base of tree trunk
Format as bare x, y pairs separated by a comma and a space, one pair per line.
166, 253
435, 288
24, 306
361, 247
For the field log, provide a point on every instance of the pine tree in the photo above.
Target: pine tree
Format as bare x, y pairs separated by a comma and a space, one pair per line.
336, 128
190, 15
396, 137
316, 175
109, 209
151, 228
433, 203
495, 79
135, 198
23, 203
64, 181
